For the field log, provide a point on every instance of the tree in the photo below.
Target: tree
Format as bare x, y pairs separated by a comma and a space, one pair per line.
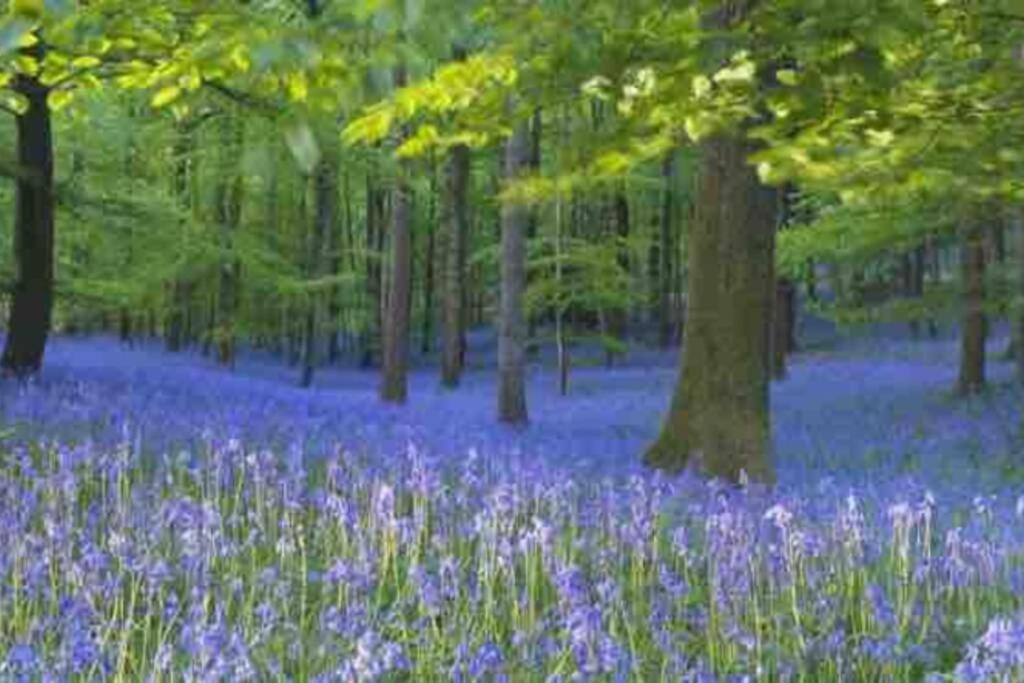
512, 321
719, 412
394, 381
971, 379
455, 227
31, 310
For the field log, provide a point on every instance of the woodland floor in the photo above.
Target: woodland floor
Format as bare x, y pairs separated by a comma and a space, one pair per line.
866, 412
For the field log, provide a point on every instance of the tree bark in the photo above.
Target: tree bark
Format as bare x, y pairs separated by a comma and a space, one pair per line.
31, 310
229, 213
972, 328
1017, 296
179, 293
394, 381
325, 193
375, 210
720, 410
620, 216
429, 268
454, 223
665, 247
515, 220
783, 326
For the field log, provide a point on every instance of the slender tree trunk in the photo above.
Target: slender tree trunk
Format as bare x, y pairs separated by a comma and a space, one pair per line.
512, 324
325, 194
394, 381
179, 291
228, 212
536, 139
454, 224
665, 248
620, 215
1017, 294
31, 308
335, 304
720, 409
427, 333
933, 268
374, 272
812, 281
783, 326
972, 333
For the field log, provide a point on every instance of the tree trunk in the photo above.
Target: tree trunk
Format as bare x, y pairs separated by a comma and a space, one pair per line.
972, 333
665, 247
720, 409
393, 388
31, 310
1017, 296
374, 272
427, 332
620, 215
325, 193
454, 224
512, 324
179, 293
783, 326
228, 212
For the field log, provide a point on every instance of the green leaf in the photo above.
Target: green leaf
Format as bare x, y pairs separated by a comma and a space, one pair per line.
165, 96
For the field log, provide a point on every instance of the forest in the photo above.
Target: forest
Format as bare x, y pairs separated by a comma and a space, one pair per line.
512, 340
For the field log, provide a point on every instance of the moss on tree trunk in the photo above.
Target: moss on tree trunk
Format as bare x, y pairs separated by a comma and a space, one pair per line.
720, 409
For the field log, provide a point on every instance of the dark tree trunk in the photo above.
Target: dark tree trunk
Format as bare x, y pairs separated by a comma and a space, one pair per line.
620, 217
1017, 293
334, 342
909, 274
124, 326
783, 326
536, 138
427, 333
720, 409
179, 293
511, 323
228, 212
325, 193
972, 333
375, 199
812, 281
31, 310
933, 268
666, 245
454, 224
393, 387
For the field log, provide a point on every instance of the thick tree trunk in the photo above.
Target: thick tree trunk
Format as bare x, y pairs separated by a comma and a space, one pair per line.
394, 381
512, 323
454, 224
720, 409
31, 308
972, 327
